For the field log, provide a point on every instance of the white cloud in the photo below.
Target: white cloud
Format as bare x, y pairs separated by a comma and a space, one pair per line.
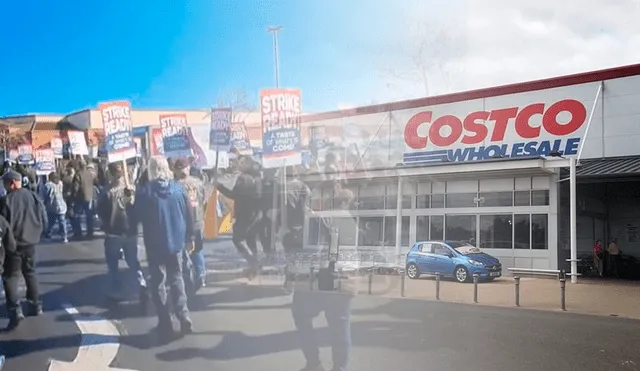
472, 44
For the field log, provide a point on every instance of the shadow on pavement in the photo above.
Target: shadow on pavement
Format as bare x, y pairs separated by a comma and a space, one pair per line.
235, 345
21, 347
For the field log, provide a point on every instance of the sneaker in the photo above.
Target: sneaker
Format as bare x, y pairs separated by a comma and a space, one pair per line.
65, 240
202, 282
186, 326
15, 319
35, 309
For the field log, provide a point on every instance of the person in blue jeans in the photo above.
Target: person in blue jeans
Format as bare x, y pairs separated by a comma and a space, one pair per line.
195, 190
56, 206
164, 210
121, 237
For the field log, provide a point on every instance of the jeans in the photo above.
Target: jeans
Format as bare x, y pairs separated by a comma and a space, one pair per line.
61, 221
336, 307
129, 246
197, 256
23, 262
87, 209
163, 270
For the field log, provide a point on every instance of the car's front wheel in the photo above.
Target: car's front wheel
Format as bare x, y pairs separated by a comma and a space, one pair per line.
461, 274
412, 271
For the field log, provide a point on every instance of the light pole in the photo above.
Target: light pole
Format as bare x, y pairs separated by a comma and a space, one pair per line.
274, 31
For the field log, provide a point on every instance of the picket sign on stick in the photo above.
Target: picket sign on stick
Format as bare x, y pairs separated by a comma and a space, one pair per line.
118, 127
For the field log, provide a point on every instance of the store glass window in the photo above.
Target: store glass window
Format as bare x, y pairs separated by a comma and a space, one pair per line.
521, 231
422, 228
314, 231
496, 199
522, 198
460, 228
392, 202
423, 202
539, 231
371, 231
327, 199
371, 203
347, 229
461, 200
540, 198
390, 230
495, 232
437, 201
316, 199
436, 224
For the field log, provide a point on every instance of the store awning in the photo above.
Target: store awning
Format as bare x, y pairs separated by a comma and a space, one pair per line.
474, 169
616, 167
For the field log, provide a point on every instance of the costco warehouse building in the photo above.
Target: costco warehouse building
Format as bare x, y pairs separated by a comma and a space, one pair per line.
494, 166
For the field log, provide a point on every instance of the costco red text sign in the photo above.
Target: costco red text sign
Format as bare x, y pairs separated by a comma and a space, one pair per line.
490, 128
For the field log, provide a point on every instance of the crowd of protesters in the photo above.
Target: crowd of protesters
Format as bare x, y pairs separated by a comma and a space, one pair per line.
167, 199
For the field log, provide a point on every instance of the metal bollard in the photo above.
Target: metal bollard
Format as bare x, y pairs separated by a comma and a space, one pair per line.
517, 279
370, 280
402, 278
476, 278
437, 287
563, 296
311, 277
340, 280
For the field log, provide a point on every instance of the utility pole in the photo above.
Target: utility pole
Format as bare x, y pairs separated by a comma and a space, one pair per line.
274, 31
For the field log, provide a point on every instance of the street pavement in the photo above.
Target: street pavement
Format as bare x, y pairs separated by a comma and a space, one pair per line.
242, 327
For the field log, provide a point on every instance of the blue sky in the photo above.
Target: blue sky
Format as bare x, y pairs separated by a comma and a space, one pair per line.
167, 53
182, 54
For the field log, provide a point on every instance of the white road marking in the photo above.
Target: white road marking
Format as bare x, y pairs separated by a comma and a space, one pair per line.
98, 346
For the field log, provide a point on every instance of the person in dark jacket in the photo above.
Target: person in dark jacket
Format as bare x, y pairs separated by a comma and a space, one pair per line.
164, 210
297, 196
8, 247
121, 237
83, 190
246, 195
29, 176
27, 217
195, 191
267, 211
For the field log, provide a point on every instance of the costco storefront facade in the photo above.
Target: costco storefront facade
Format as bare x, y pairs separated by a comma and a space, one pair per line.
491, 166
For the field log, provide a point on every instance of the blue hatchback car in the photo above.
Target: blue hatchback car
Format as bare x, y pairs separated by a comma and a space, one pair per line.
456, 259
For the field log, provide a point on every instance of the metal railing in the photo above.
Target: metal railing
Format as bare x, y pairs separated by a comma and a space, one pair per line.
305, 267
562, 278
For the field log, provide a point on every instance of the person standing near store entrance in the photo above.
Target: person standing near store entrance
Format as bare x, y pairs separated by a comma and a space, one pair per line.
614, 258
27, 217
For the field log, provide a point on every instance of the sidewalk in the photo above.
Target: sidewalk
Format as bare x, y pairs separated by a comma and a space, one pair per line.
597, 297
605, 298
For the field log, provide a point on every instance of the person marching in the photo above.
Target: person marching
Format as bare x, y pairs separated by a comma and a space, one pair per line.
121, 236
56, 206
26, 214
246, 194
164, 210
194, 188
